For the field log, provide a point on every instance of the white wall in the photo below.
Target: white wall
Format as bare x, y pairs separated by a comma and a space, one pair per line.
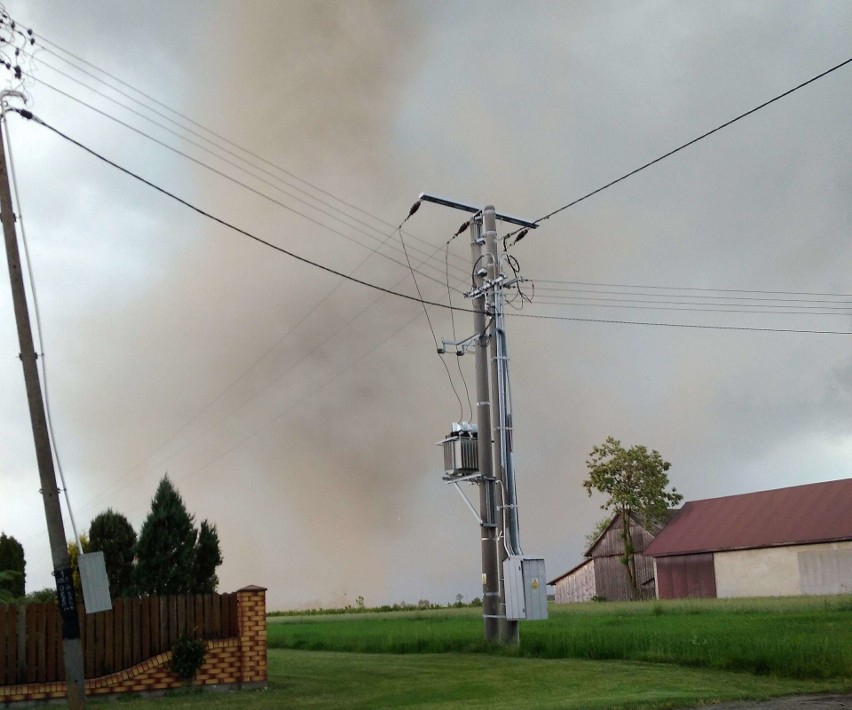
784, 571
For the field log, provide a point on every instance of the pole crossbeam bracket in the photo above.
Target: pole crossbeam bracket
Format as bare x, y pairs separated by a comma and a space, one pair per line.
460, 346
487, 286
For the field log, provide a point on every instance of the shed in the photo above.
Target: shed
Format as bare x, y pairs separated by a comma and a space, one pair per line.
786, 541
602, 574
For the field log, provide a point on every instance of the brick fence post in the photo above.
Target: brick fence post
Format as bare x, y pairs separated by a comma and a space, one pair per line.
251, 612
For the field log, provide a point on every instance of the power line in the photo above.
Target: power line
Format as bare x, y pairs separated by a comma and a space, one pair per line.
195, 133
225, 223
694, 288
150, 98
663, 306
679, 325
689, 143
259, 193
30, 116
426, 313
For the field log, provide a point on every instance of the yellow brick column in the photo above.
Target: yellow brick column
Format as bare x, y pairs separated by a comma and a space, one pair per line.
251, 611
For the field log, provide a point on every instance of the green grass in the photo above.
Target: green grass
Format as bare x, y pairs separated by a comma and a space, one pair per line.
799, 638
648, 656
305, 679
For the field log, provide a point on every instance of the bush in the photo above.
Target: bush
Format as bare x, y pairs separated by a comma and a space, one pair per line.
187, 657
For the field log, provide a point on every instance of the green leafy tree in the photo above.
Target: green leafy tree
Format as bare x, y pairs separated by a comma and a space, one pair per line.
12, 560
165, 552
635, 482
8, 577
41, 596
74, 559
208, 556
112, 534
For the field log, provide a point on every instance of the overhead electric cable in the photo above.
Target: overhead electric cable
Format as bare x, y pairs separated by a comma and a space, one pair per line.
383, 238
428, 318
259, 193
30, 116
217, 136
453, 325
664, 307
693, 288
689, 143
225, 223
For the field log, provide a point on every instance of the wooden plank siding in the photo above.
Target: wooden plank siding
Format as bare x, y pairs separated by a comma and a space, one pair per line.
603, 575
611, 579
134, 630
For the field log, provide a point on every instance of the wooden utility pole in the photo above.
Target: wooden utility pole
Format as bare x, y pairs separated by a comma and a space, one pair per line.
71, 644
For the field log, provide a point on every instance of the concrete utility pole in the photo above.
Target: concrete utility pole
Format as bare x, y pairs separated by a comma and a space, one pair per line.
501, 442
491, 596
514, 586
71, 644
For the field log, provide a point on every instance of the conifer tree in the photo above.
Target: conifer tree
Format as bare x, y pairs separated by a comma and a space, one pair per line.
208, 556
112, 534
12, 560
165, 552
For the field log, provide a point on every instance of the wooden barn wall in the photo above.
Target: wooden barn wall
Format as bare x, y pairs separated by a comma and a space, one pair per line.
579, 586
613, 583
612, 544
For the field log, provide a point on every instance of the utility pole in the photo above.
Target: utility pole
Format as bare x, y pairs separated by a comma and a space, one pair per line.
501, 441
514, 586
491, 596
71, 644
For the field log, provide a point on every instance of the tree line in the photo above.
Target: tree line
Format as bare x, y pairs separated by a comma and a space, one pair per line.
170, 555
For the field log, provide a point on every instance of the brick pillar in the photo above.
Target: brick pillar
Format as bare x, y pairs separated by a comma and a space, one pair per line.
251, 611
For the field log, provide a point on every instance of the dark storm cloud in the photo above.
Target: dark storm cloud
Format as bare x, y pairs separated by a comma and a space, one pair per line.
303, 423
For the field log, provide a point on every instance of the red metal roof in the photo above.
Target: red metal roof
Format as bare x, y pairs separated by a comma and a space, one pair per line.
818, 512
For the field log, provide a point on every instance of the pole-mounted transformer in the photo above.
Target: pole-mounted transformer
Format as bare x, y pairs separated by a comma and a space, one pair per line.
461, 452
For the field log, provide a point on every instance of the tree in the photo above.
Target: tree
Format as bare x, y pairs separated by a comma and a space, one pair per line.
8, 577
44, 595
208, 556
165, 552
74, 559
635, 482
12, 560
112, 534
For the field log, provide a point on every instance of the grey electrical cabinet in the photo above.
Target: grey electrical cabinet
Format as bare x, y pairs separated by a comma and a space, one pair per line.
526, 587
94, 580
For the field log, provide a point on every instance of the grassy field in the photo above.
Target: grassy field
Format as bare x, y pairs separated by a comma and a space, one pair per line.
596, 656
800, 638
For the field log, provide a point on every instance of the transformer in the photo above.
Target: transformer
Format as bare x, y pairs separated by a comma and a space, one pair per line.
461, 452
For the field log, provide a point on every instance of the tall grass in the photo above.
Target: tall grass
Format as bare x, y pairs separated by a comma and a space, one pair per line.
802, 638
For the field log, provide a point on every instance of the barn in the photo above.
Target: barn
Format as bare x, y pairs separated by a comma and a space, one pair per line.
602, 575
787, 541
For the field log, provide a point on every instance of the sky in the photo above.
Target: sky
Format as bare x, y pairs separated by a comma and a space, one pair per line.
299, 411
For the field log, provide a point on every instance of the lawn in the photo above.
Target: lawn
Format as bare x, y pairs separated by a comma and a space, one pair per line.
799, 638
640, 655
325, 679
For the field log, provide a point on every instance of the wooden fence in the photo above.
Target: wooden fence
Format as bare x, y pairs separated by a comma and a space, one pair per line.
136, 629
